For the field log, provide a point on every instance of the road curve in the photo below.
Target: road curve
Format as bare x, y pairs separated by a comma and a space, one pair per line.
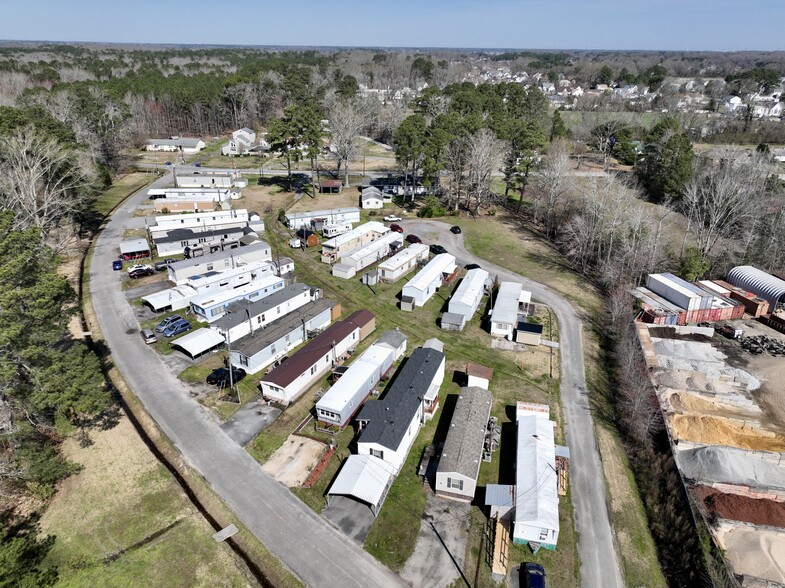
316, 552
599, 563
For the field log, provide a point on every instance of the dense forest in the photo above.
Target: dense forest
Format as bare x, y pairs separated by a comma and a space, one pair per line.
70, 117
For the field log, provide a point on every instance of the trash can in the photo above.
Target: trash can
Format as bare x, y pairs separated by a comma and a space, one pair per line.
117, 265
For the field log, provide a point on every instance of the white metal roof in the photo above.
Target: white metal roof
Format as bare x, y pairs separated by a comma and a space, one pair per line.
199, 341
213, 298
134, 246
372, 249
363, 476
668, 282
403, 257
361, 368
374, 194
321, 213
374, 226
200, 280
471, 288
440, 264
714, 287
165, 298
505, 309
236, 254
536, 492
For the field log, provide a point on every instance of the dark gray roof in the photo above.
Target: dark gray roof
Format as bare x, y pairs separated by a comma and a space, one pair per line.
463, 447
219, 255
530, 328
453, 318
253, 344
394, 338
389, 417
187, 234
235, 312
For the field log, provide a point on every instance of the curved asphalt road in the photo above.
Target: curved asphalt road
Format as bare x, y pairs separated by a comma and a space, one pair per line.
599, 564
315, 551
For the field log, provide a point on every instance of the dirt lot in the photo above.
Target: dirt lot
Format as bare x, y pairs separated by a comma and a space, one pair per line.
753, 550
295, 459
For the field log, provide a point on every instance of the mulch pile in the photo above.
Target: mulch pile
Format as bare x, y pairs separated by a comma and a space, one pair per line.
741, 508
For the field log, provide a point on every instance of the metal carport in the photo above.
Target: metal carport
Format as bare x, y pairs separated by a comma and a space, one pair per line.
199, 342
366, 478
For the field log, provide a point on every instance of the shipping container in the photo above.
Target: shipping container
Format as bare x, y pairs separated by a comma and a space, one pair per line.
663, 285
752, 304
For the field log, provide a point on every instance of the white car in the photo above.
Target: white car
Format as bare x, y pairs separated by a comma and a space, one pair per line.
139, 266
391, 218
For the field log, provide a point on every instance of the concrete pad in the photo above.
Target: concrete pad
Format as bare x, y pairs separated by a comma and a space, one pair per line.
438, 554
250, 420
352, 517
294, 460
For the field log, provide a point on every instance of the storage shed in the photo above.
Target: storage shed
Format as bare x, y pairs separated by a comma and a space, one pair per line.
400, 264
310, 238
302, 370
451, 321
429, 279
459, 464
478, 375
528, 333
468, 295
134, 249
347, 395
760, 283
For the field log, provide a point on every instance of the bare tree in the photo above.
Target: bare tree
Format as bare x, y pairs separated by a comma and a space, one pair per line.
551, 186
43, 184
347, 120
456, 155
724, 197
485, 154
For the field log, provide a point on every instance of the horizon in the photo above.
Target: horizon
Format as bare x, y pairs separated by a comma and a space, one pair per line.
668, 25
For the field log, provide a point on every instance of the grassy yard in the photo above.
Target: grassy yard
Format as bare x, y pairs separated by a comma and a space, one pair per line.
122, 187
124, 521
223, 402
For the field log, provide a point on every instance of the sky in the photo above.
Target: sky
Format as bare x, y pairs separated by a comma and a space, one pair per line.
715, 25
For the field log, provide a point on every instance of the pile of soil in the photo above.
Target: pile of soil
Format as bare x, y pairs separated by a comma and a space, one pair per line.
741, 508
715, 430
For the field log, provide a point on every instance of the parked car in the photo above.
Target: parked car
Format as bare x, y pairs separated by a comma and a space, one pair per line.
117, 265
164, 263
168, 163
455, 230
413, 239
437, 249
148, 336
533, 575
396, 228
177, 327
391, 218
161, 327
141, 273
471, 266
139, 266
220, 376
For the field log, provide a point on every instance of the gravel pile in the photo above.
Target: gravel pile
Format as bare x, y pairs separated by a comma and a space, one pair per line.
758, 344
729, 465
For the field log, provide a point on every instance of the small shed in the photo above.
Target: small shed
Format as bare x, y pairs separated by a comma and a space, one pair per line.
452, 321
310, 238
408, 303
528, 333
478, 375
134, 249
330, 186
344, 270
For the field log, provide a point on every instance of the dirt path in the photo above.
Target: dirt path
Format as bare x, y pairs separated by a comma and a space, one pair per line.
294, 460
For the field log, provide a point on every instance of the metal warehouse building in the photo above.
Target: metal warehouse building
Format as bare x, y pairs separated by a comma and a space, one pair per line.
758, 282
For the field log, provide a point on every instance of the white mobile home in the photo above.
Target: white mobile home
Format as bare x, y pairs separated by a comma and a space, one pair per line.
332, 216
333, 230
468, 295
308, 365
210, 307
263, 347
199, 220
192, 242
244, 317
400, 264
536, 485
213, 281
190, 194
180, 271
373, 251
347, 395
337, 247
459, 464
187, 145
388, 427
507, 309
211, 180
429, 279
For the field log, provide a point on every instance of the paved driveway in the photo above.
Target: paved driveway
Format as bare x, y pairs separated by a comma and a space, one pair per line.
599, 564
308, 545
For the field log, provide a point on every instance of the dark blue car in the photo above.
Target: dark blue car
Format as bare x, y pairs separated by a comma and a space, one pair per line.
161, 327
176, 328
533, 575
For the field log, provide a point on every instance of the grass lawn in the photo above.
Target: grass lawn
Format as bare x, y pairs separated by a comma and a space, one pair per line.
223, 402
121, 188
123, 521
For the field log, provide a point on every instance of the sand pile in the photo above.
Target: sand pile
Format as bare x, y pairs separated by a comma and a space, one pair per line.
728, 465
741, 508
686, 401
754, 551
716, 430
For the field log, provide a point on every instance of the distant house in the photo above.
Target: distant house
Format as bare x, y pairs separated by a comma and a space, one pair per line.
732, 104
186, 145
302, 370
548, 88
388, 427
372, 198
240, 143
459, 463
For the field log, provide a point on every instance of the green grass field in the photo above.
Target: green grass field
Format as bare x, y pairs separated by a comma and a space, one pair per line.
121, 188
